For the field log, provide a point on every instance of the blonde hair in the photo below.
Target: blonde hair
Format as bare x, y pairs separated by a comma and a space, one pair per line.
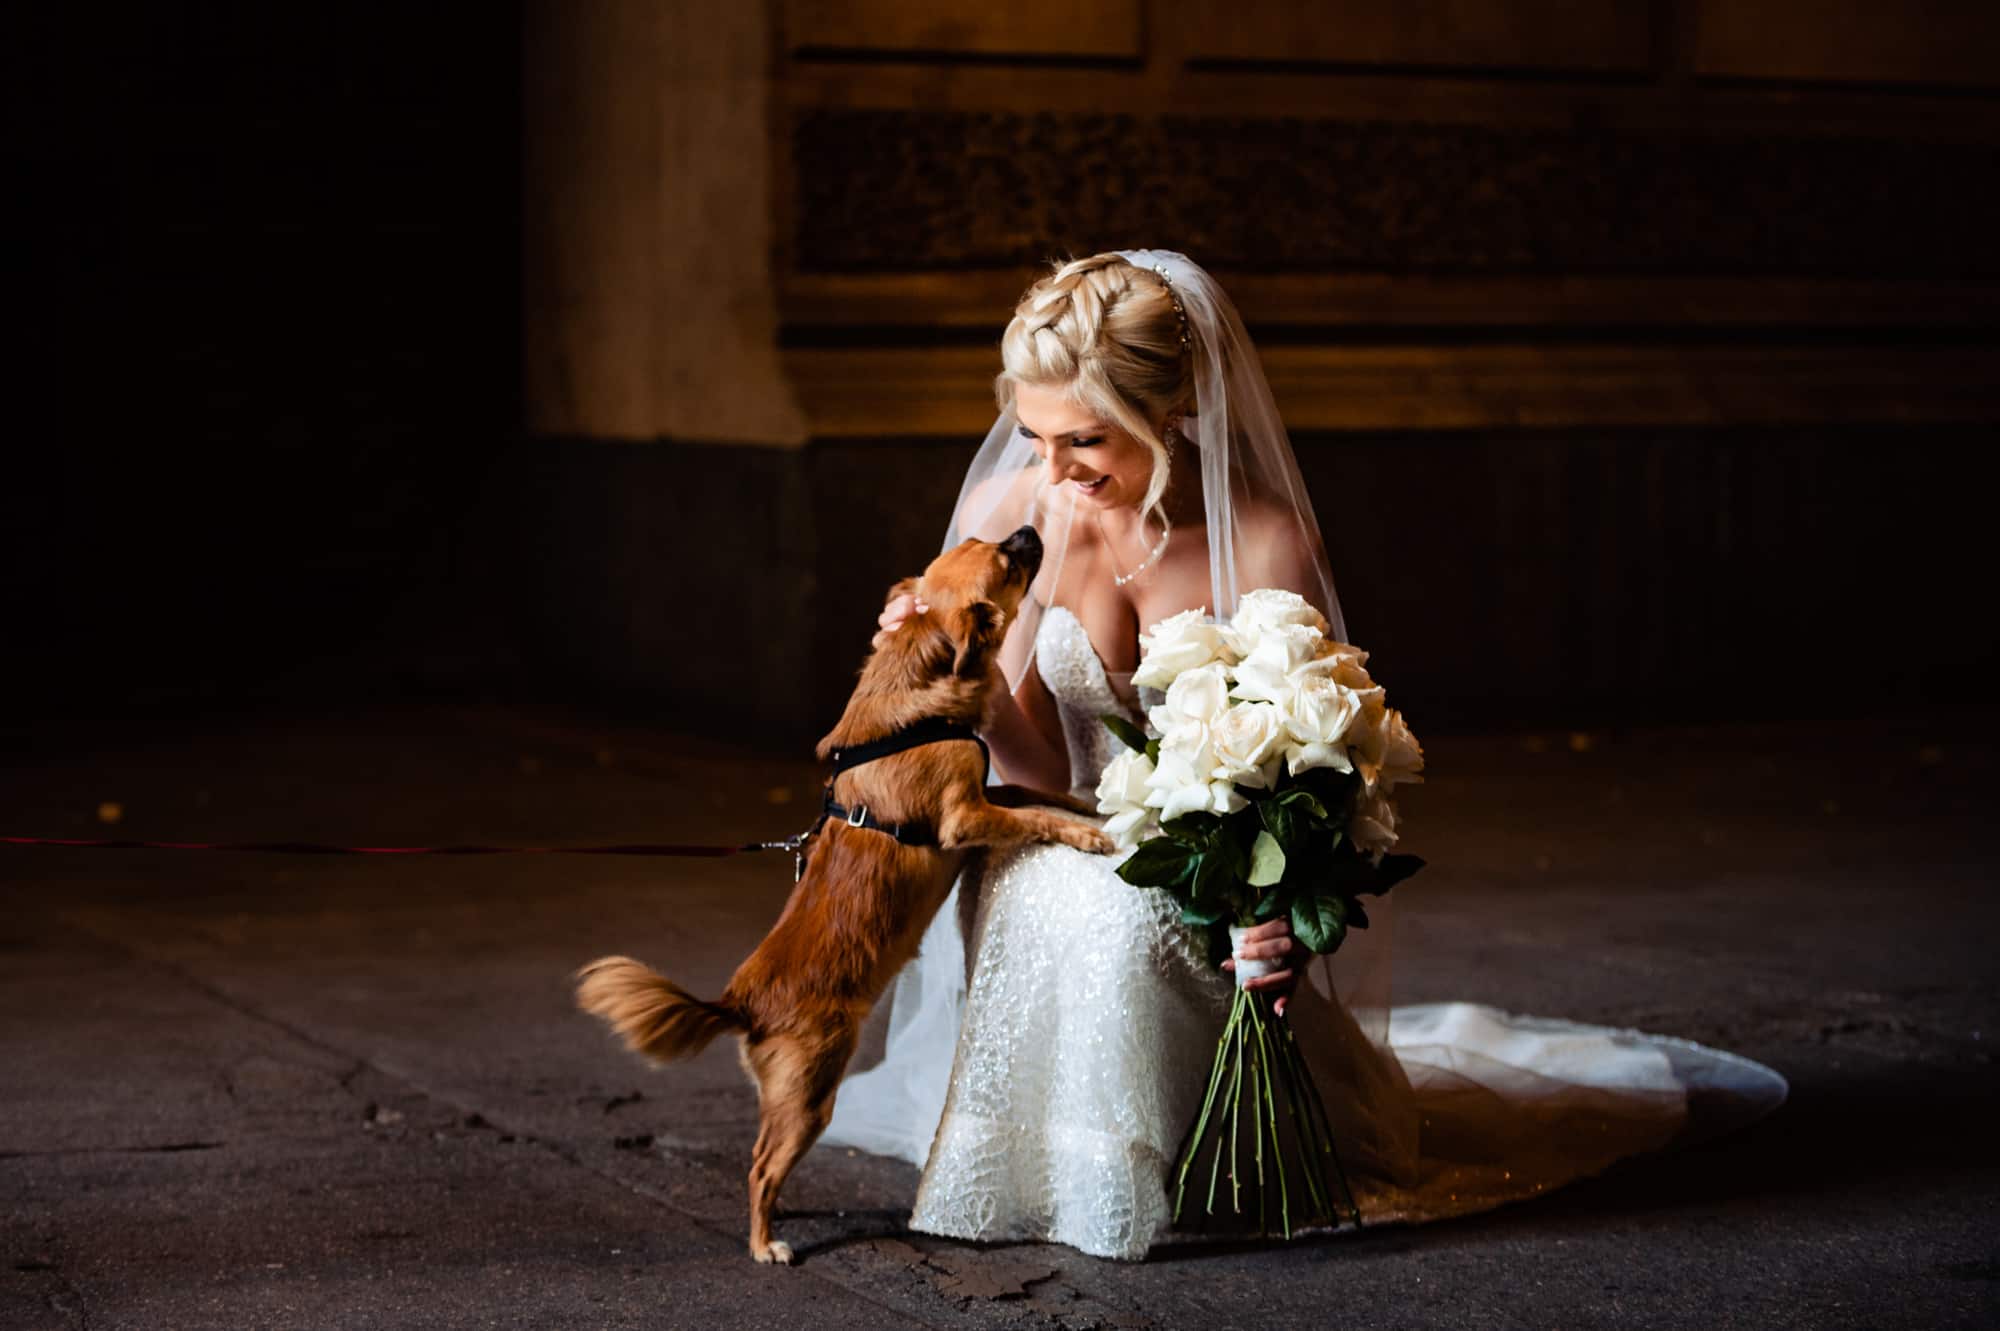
1108, 334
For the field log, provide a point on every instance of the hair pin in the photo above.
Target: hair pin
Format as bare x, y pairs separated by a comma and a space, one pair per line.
1180, 312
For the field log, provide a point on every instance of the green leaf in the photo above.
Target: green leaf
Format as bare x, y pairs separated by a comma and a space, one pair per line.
1271, 907
1357, 918
1199, 832
1280, 822
1201, 917
1153, 752
1320, 922
1392, 870
1128, 734
1159, 862
1267, 861
1211, 876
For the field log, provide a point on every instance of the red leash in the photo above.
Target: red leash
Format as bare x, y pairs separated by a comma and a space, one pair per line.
313, 848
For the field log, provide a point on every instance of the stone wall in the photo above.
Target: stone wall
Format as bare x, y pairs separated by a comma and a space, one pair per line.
622, 353
1621, 344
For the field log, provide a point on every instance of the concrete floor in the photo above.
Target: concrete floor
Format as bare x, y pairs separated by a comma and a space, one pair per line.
263, 1091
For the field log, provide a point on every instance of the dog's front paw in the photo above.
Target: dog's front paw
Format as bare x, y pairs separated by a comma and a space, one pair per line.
1092, 840
775, 1253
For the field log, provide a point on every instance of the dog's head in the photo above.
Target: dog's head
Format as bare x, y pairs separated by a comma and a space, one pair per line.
941, 660
972, 592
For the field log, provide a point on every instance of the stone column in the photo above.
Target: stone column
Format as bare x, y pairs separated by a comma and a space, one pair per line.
646, 172
666, 535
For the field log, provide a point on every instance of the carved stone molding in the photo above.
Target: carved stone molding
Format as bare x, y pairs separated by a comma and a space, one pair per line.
901, 190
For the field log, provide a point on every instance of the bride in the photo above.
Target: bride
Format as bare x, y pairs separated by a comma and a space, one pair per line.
1047, 1050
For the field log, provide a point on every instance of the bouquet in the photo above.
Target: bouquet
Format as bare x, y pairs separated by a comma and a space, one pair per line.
1261, 789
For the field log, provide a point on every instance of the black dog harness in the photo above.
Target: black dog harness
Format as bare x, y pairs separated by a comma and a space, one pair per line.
934, 730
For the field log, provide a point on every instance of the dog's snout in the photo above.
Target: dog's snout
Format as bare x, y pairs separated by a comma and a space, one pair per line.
1024, 547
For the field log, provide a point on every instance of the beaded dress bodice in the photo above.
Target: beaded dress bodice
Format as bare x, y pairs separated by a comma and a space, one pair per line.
1083, 693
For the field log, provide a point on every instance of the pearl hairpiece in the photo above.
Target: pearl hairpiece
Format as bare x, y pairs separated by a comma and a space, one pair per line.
1180, 312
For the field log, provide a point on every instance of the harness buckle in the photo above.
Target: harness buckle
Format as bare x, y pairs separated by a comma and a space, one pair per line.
857, 816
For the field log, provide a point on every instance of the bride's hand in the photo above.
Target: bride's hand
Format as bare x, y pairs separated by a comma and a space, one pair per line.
1272, 941
898, 610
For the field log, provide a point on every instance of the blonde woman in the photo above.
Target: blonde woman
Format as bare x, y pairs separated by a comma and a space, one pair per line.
1048, 1048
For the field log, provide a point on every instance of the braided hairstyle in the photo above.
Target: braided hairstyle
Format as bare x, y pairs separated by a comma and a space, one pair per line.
1108, 334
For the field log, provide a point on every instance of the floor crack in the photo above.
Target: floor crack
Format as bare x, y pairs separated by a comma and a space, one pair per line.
162, 1148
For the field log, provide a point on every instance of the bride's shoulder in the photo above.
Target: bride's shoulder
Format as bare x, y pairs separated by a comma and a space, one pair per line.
1280, 549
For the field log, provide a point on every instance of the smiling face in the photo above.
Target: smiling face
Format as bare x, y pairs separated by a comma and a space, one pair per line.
1105, 466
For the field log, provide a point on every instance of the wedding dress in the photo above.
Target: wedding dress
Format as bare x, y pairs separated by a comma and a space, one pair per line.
1090, 1021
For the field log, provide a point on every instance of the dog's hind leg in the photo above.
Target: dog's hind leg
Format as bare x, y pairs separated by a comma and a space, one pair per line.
796, 1080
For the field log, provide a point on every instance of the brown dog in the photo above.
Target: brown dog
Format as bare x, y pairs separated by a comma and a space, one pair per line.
865, 898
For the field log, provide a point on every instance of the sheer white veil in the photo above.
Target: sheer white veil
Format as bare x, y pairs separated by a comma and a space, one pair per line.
1260, 532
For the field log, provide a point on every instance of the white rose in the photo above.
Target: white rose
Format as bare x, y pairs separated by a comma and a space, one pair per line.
1180, 643
1183, 783
1268, 608
1185, 746
1372, 825
1366, 737
1346, 663
1316, 720
1274, 667
1320, 710
1249, 742
1121, 792
1384, 751
1402, 756
1198, 696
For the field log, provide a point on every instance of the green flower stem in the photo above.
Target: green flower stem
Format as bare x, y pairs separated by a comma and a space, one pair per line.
1302, 1126
1236, 1108
1273, 1071
1215, 1165
1258, 1054
1311, 1136
1325, 1127
1257, 1124
1201, 1127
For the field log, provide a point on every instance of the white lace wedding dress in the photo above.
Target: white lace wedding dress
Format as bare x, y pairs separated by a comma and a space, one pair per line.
1090, 1020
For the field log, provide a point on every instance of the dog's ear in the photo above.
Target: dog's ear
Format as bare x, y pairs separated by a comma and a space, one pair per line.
977, 628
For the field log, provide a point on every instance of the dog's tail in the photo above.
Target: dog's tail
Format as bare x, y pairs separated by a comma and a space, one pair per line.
652, 1014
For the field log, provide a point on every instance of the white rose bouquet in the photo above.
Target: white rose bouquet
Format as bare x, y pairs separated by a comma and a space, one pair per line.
1262, 791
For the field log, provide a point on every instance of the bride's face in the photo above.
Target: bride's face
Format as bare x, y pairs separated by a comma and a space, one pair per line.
1105, 465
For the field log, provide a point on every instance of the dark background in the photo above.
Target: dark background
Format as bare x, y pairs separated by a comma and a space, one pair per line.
271, 444
266, 306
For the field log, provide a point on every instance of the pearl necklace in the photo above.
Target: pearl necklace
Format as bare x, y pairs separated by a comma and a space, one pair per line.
1120, 579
